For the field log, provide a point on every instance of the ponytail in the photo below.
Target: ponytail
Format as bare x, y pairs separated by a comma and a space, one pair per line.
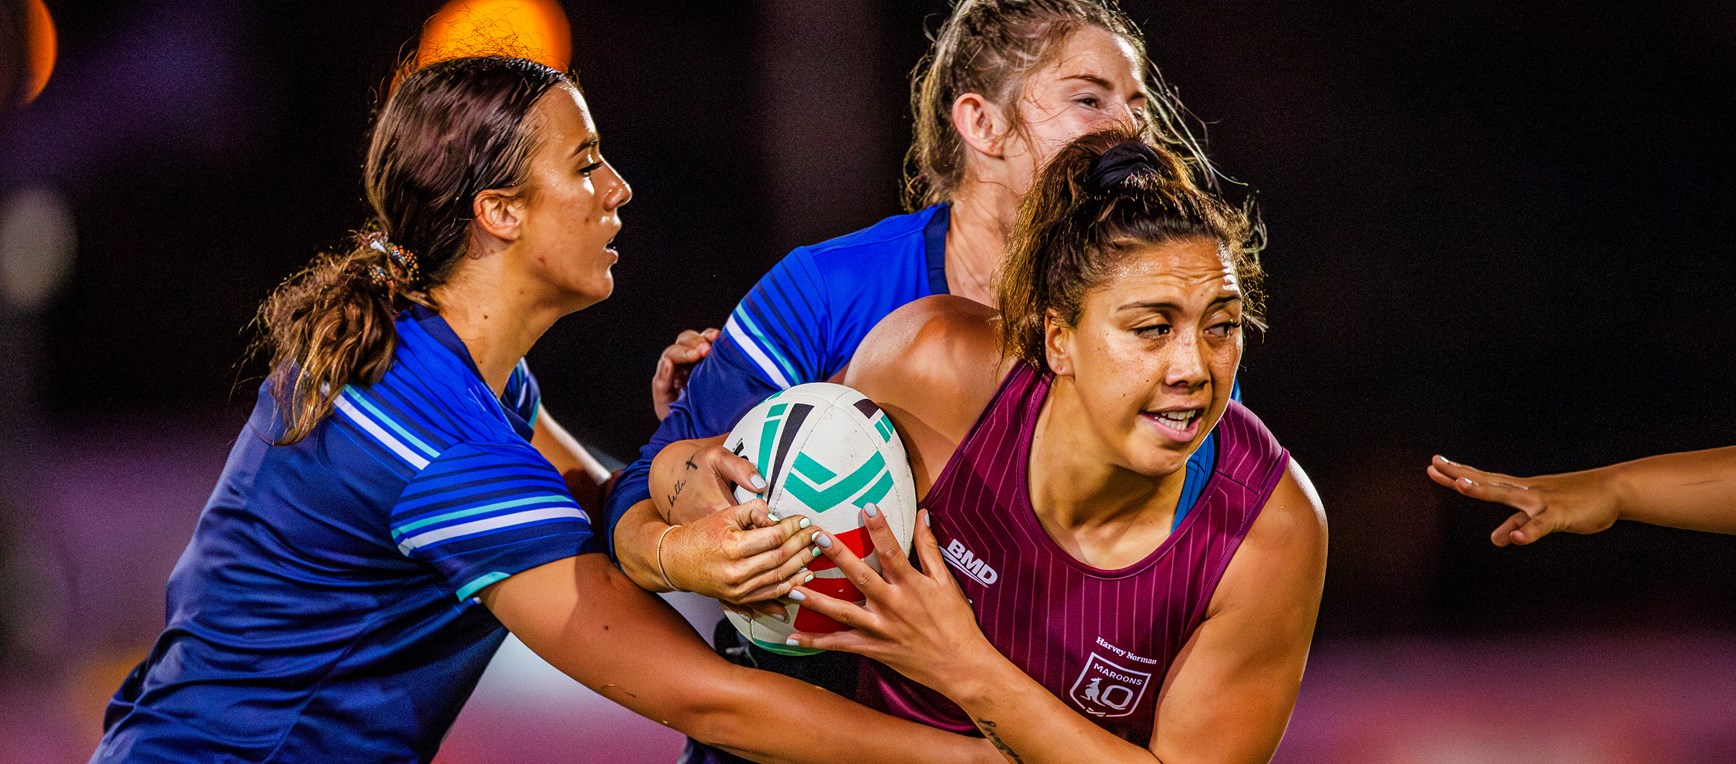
331, 324
448, 131
1102, 196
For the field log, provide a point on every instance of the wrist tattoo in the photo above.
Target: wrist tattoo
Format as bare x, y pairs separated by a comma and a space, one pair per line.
988, 728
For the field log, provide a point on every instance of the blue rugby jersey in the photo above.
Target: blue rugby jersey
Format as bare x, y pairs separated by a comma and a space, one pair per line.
324, 609
802, 322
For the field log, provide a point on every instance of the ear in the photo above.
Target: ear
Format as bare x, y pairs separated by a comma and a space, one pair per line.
980, 124
1058, 340
498, 213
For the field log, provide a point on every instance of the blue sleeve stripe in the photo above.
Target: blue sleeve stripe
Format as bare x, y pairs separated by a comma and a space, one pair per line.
756, 325
362, 401
474, 480
479, 583
733, 328
795, 334
379, 433
413, 414
526, 501
489, 525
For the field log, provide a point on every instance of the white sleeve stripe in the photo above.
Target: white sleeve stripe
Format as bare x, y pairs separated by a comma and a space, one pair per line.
490, 524
772, 372
354, 415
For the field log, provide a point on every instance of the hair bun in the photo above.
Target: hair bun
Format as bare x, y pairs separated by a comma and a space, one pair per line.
1122, 161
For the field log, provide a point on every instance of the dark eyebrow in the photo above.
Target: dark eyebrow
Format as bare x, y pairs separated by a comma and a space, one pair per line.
1093, 79
1170, 307
586, 146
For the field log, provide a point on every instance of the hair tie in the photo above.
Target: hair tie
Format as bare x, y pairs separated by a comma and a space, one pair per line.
404, 258
1122, 161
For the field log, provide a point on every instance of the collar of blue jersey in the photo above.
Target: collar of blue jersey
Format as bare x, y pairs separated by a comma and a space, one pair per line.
436, 327
934, 246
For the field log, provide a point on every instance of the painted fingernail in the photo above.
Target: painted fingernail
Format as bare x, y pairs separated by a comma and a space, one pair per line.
871, 510
805, 523
774, 517
926, 517
816, 551
1467, 481
779, 617
798, 596
792, 642
1443, 459
803, 570
823, 541
806, 578
758, 483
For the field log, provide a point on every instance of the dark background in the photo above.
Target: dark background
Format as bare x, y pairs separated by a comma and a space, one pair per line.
1500, 231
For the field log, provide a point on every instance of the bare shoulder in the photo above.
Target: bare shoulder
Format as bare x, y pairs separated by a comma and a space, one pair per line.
1293, 516
935, 357
1283, 557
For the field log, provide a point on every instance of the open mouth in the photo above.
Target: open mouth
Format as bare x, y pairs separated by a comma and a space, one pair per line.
1178, 424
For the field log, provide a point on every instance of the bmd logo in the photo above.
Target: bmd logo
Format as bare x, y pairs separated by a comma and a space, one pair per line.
973, 567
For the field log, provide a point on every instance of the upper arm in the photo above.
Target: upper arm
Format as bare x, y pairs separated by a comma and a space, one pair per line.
936, 359
481, 512
1242, 668
778, 329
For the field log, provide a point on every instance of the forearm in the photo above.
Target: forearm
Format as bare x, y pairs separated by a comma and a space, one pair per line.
1027, 723
585, 619
759, 701
1695, 490
671, 470
636, 537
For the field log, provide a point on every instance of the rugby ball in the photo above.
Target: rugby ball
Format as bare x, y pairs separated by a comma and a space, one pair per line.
825, 451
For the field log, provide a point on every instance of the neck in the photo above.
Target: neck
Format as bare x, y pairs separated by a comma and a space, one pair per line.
1075, 487
497, 324
976, 238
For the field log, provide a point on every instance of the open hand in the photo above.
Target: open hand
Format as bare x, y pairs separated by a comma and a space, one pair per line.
915, 621
1575, 502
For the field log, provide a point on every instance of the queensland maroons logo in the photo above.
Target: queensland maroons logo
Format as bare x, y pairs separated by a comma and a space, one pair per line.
1108, 689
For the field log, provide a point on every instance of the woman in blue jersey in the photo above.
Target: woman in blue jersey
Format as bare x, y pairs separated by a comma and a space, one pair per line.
1007, 83
396, 503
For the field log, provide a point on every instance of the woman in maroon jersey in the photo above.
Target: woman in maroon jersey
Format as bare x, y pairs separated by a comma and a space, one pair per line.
1048, 448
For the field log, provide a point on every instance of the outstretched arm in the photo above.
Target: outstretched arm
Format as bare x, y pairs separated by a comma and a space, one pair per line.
589, 621
1228, 695
1695, 490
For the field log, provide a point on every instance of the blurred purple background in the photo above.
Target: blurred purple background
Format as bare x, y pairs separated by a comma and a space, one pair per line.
1499, 231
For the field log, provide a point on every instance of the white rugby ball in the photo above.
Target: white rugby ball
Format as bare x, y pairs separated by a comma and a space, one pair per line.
825, 451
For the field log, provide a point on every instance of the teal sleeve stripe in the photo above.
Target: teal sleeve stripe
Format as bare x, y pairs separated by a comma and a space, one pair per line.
381, 416
536, 413
527, 501
481, 582
766, 345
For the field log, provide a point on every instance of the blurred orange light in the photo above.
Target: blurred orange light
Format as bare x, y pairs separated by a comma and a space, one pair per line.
533, 29
40, 48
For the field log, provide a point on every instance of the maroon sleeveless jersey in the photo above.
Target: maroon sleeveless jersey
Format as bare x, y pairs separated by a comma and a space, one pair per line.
1101, 640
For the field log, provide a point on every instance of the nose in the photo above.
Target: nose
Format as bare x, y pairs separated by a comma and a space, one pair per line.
1187, 367
618, 192
1127, 117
